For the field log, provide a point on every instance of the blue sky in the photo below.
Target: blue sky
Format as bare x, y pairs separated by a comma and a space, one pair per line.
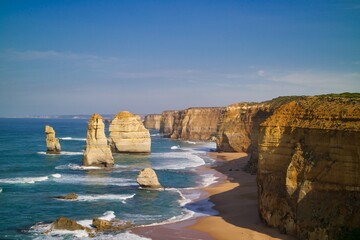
80, 57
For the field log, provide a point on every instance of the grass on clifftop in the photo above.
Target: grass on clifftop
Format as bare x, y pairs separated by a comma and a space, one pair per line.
341, 95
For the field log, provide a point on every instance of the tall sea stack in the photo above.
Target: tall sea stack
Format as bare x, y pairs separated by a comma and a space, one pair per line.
52, 143
128, 134
97, 152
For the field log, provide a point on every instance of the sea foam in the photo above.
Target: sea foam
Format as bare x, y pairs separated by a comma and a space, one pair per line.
91, 180
24, 180
109, 197
77, 167
62, 153
72, 139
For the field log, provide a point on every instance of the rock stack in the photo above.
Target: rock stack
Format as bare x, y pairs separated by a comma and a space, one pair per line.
147, 178
52, 143
152, 121
128, 134
97, 152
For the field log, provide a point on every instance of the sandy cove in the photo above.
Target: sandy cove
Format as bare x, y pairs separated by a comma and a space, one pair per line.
235, 198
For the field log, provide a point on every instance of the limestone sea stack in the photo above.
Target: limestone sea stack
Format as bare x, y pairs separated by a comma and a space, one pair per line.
152, 121
97, 152
52, 143
147, 178
128, 134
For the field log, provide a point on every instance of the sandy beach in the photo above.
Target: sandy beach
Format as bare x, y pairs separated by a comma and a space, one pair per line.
235, 199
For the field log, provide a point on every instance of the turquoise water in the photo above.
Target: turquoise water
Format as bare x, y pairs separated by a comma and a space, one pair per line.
29, 179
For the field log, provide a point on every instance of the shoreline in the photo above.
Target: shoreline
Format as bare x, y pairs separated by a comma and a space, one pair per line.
234, 196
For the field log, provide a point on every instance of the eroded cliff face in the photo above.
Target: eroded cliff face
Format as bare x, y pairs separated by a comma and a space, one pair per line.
196, 124
128, 134
239, 127
152, 121
167, 122
97, 151
309, 167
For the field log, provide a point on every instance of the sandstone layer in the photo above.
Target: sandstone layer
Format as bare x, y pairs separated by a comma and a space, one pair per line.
309, 167
97, 151
147, 178
152, 121
52, 143
128, 134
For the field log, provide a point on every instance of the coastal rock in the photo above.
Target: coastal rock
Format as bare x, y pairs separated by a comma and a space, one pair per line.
128, 134
167, 122
152, 121
105, 225
70, 196
52, 143
308, 170
97, 152
147, 178
63, 223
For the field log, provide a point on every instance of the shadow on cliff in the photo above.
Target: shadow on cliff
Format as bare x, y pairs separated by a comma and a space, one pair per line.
238, 204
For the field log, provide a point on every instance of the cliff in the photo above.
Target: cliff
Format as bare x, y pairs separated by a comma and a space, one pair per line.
52, 143
152, 121
239, 127
97, 151
309, 167
167, 122
196, 124
128, 134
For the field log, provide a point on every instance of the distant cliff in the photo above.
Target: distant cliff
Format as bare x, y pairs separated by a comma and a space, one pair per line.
152, 121
191, 124
309, 167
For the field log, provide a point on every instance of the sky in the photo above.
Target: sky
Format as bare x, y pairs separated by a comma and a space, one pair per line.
81, 57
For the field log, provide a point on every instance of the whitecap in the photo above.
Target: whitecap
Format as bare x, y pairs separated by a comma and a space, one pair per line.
77, 167
108, 215
177, 160
190, 142
175, 147
110, 197
72, 139
155, 135
92, 180
56, 175
24, 180
62, 153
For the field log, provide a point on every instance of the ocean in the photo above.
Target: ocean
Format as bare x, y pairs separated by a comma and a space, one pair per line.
29, 179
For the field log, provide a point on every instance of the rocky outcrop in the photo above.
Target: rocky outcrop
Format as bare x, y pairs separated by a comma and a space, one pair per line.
308, 169
63, 223
70, 196
152, 121
147, 178
102, 225
128, 134
97, 151
52, 143
167, 122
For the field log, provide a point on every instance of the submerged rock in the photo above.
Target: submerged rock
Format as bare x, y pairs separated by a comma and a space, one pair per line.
52, 143
97, 152
70, 196
128, 134
147, 178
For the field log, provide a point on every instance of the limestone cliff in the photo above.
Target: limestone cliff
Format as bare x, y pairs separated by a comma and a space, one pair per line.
309, 167
167, 122
128, 134
97, 151
196, 123
152, 121
52, 143
239, 126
